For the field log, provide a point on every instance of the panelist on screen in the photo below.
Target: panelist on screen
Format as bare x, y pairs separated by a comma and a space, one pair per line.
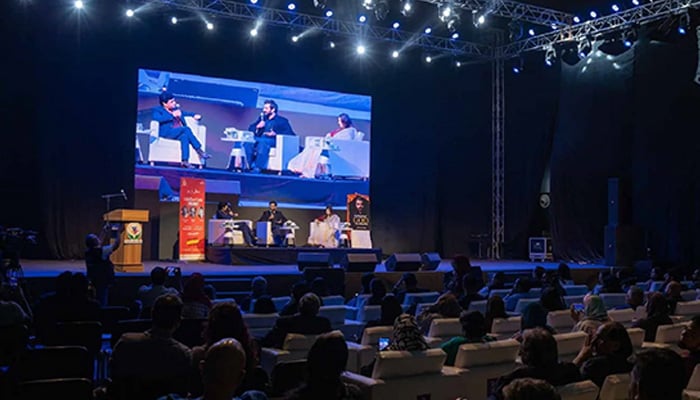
266, 127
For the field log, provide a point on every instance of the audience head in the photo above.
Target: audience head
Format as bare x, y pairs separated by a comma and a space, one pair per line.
612, 338
473, 324
539, 349
193, 290
594, 308
447, 306
92, 241
534, 315
498, 281
409, 279
223, 368
63, 283
210, 291
530, 389
658, 374
656, 274
470, 284
461, 264
657, 305
299, 289
564, 272
264, 305
673, 290
690, 335
309, 304
538, 273
225, 321
551, 300
391, 308
521, 285
167, 312
327, 358
611, 284
377, 288
258, 286
158, 276
319, 287
366, 279
79, 286
406, 335
635, 296
496, 307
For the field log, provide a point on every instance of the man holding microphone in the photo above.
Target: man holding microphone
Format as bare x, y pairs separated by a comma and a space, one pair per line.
269, 125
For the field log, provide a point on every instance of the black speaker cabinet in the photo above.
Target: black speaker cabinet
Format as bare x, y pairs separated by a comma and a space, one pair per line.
430, 261
313, 260
403, 262
360, 262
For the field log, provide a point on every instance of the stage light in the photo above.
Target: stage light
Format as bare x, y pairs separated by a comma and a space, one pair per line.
173, 20
321, 4
361, 49
577, 20
445, 11
210, 26
516, 69
79, 4
681, 30
381, 9
396, 25
295, 38
593, 14
329, 13
130, 13
683, 24
291, 6
428, 30
629, 37
253, 1
550, 56
362, 19
478, 18
531, 32
455, 36
407, 8
584, 47
458, 64
331, 44
615, 8
394, 54
428, 59
368, 4
254, 32
635, 2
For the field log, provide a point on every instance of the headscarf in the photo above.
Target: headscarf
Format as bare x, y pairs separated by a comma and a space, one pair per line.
595, 309
193, 291
407, 336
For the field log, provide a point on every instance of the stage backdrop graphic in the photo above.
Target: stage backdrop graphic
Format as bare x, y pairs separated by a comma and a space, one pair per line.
192, 198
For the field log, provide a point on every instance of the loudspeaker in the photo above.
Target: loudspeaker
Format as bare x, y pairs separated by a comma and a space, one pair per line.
335, 278
623, 245
403, 262
313, 260
360, 262
619, 202
430, 261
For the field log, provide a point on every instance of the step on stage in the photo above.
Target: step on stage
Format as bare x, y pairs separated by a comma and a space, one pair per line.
276, 255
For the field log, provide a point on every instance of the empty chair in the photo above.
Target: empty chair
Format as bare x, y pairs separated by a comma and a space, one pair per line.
690, 308
576, 290
442, 330
483, 362
479, 305
569, 344
53, 362
669, 333
522, 303
689, 295
569, 300
615, 387
420, 307
585, 390
415, 298
63, 388
504, 328
335, 314
560, 321
636, 337
333, 300
295, 347
87, 334
369, 313
641, 312
614, 300
280, 302
624, 316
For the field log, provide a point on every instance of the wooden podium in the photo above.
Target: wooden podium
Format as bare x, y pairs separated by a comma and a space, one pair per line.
127, 257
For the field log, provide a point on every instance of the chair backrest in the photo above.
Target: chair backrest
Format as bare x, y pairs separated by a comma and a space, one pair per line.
522, 303
570, 343
369, 313
420, 307
64, 388
688, 308
53, 362
479, 305
504, 326
585, 390
333, 300
81, 333
370, 337
569, 300
612, 300
668, 333
260, 321
191, 332
615, 387
335, 314
445, 328
689, 295
297, 342
280, 302
415, 298
641, 312
109, 316
129, 326
694, 382
576, 290
535, 292
473, 355
560, 320
636, 337
499, 292
396, 364
623, 316
286, 376
656, 286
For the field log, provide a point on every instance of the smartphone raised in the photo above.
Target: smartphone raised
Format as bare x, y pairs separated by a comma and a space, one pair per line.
383, 343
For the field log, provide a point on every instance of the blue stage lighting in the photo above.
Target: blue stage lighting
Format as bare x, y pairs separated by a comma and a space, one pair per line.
428, 59
627, 43
681, 30
428, 30
455, 36
635, 2
593, 14
396, 25
254, 32
516, 69
210, 26
531, 32
130, 13
394, 54
362, 18
253, 1
291, 6
577, 20
173, 20
329, 13
615, 8
79, 4
361, 49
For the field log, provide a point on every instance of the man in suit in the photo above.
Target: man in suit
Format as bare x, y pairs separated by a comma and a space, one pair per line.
225, 211
306, 322
269, 125
274, 216
173, 126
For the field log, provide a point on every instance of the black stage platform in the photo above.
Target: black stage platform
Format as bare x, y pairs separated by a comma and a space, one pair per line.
276, 255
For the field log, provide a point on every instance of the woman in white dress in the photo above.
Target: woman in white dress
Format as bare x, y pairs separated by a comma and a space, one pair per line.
325, 230
308, 163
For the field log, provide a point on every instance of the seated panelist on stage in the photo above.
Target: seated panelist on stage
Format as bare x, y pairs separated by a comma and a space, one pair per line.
266, 127
173, 126
274, 216
225, 211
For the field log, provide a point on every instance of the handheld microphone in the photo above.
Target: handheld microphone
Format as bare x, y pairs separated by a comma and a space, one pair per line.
262, 116
177, 105
124, 194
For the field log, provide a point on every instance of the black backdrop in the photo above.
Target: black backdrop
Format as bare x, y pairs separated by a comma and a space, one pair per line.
68, 103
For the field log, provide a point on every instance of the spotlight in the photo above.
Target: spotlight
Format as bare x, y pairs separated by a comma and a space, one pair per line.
396, 25
428, 30
455, 36
482, 20
394, 54
173, 20
516, 69
629, 37
329, 13
584, 47
519, 66
407, 7
210, 26
295, 38
320, 3
361, 49
254, 32
331, 44
362, 19
445, 10
683, 24
130, 13
615, 8
531, 32
79, 4
368, 4
428, 59
577, 20
478, 18
291, 6
681, 30
458, 64
381, 9
593, 14
253, 1
550, 56
635, 2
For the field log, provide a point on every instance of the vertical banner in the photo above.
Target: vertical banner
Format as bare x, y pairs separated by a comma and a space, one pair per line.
360, 222
191, 238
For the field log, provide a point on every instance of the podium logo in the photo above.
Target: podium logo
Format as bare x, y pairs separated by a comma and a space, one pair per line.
134, 233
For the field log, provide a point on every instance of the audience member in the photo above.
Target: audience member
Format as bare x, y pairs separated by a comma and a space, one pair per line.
594, 315
537, 277
564, 273
520, 290
690, 343
551, 280
605, 353
673, 295
377, 291
365, 280
635, 297
461, 266
390, 308
325, 363
551, 299
151, 364
657, 375
626, 277
655, 275
319, 287
658, 313
498, 281
495, 308
196, 304
210, 291
471, 286
11, 311
47, 309
98, 265
446, 306
473, 331
695, 277
258, 288
264, 305
299, 289
530, 389
609, 284
406, 336
306, 322
407, 284
81, 304
534, 315
539, 356
148, 294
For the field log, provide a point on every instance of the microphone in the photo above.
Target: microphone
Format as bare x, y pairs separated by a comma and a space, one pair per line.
177, 105
124, 194
262, 116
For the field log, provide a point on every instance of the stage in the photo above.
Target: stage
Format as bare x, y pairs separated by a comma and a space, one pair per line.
277, 255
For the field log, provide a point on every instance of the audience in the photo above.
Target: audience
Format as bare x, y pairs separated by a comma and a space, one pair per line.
446, 306
299, 289
534, 315
11, 311
461, 266
635, 297
390, 308
605, 353
365, 280
658, 313
520, 290
148, 294
471, 286
473, 331
673, 295
498, 281
325, 363
306, 322
607, 283
594, 315
657, 375
695, 278
196, 304
405, 337
564, 273
655, 275
151, 364
539, 355
537, 277
377, 291
319, 287
690, 343
530, 389
495, 308
258, 288
551, 299
46, 312
264, 305
407, 284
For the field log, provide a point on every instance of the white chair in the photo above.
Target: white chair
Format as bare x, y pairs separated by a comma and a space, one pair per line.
612, 300
576, 290
421, 307
499, 292
364, 352
217, 229
689, 295
585, 390
636, 337
260, 324
415, 298
263, 230
669, 334
690, 308
443, 329
333, 300
560, 320
281, 301
483, 362
286, 147
410, 375
641, 312
522, 303
349, 158
295, 348
479, 305
335, 314
692, 391
569, 344
615, 387
369, 313
370, 337
569, 300
161, 149
505, 328
624, 316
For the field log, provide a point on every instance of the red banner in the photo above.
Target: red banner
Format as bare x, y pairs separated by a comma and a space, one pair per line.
192, 197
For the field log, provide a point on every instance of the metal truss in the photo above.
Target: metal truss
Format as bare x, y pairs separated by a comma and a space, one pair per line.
513, 10
497, 153
247, 12
639, 15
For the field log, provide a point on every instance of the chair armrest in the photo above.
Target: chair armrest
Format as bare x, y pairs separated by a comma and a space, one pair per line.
359, 356
359, 380
269, 357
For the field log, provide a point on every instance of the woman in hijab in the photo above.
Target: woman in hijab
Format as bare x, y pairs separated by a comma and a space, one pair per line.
658, 313
196, 304
594, 315
405, 337
447, 306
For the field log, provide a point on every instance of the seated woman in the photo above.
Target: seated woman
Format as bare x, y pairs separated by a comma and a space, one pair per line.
605, 353
520, 290
447, 306
309, 163
658, 313
473, 331
405, 337
594, 315
326, 230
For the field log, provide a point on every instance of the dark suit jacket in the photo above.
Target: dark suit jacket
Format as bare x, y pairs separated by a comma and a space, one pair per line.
279, 217
166, 120
298, 323
278, 124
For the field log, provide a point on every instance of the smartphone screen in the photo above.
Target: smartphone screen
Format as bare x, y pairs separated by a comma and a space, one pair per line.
383, 343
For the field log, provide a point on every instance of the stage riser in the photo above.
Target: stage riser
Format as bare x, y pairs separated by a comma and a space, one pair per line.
276, 255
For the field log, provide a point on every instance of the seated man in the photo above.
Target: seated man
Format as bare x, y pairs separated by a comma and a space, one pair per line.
277, 219
306, 322
269, 125
690, 343
173, 126
473, 331
149, 293
410, 285
657, 375
225, 211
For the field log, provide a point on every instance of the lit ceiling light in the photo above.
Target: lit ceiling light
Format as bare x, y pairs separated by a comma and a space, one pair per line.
130, 13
